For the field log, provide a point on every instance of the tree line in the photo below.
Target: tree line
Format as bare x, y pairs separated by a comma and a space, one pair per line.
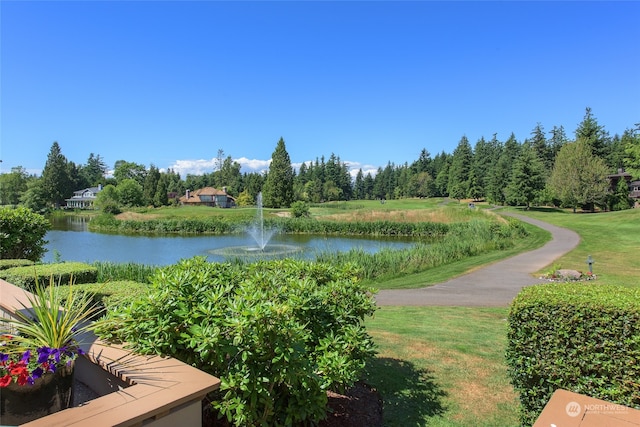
540, 170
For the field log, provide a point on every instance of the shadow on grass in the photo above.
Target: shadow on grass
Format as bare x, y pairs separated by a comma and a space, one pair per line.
410, 394
541, 209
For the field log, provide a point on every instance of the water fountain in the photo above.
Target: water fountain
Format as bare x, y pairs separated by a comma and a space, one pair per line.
261, 236
257, 230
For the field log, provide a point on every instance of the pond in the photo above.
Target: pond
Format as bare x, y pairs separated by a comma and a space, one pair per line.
70, 240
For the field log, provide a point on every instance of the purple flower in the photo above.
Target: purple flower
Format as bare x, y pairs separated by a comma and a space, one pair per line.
43, 354
26, 356
37, 373
4, 357
56, 352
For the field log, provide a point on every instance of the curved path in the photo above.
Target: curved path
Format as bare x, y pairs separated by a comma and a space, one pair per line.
494, 285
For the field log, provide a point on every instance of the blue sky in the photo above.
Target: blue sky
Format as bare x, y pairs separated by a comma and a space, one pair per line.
171, 83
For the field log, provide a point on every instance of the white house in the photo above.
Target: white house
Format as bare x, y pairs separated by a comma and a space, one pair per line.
83, 199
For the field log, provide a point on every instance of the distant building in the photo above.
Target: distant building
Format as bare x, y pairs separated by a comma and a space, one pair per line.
83, 199
208, 196
634, 186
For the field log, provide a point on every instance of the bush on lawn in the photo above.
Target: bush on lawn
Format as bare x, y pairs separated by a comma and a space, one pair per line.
60, 274
278, 334
580, 337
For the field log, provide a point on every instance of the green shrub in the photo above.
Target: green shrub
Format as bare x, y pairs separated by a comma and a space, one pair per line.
278, 334
61, 274
300, 209
10, 263
22, 233
580, 337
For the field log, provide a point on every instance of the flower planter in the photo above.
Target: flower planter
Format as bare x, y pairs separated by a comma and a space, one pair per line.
132, 390
50, 393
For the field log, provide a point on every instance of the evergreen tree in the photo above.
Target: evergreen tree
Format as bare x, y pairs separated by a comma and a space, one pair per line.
500, 174
150, 186
346, 182
161, 198
77, 179
174, 183
541, 147
277, 191
485, 156
253, 183
369, 184
359, 186
593, 135
461, 164
620, 199
403, 180
229, 176
527, 177
475, 191
615, 159
57, 184
442, 179
557, 140
94, 171
423, 164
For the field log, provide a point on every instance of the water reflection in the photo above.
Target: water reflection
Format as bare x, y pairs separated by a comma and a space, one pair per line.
73, 242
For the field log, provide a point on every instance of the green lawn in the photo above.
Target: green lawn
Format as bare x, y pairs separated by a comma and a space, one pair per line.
442, 366
611, 238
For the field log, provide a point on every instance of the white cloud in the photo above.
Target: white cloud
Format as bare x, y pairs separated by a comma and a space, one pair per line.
253, 165
200, 167
193, 167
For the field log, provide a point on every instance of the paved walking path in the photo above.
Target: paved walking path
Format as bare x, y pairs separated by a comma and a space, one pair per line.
494, 285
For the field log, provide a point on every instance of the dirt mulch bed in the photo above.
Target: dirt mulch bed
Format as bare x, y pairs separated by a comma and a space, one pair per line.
361, 406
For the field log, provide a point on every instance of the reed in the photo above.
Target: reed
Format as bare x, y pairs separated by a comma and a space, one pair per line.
112, 272
464, 240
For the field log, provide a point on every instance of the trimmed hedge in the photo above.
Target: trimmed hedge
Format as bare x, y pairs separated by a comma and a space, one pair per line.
10, 263
581, 337
60, 274
112, 294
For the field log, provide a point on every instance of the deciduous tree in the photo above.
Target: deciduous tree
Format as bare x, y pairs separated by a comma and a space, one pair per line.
631, 141
13, 185
579, 178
